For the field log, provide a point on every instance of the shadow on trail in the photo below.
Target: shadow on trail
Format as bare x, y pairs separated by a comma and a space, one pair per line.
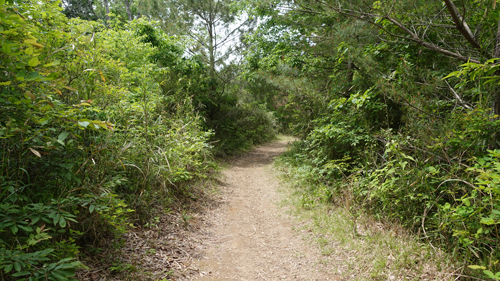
261, 155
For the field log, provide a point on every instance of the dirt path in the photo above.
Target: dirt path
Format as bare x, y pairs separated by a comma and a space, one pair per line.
249, 238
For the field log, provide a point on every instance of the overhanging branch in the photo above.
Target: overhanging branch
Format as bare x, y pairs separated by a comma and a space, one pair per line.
461, 24
371, 17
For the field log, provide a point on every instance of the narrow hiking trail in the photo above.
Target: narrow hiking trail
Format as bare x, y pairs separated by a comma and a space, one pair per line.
249, 236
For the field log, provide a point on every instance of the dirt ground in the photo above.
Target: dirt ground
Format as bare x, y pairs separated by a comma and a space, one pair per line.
248, 236
238, 231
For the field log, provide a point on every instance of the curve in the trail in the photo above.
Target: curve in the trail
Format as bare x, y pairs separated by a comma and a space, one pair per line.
249, 238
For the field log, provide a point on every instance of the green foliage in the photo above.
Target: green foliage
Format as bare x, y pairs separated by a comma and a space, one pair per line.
97, 126
389, 124
242, 126
474, 215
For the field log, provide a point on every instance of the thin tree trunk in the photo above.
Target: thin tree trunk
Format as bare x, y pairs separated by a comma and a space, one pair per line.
106, 7
211, 50
350, 77
127, 6
92, 9
496, 97
211, 46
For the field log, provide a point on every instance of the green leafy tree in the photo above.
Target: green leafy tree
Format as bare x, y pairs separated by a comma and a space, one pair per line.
79, 9
212, 26
100, 9
66, 176
367, 86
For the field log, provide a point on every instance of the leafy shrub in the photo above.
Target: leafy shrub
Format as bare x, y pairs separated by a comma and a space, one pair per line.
89, 136
242, 126
474, 215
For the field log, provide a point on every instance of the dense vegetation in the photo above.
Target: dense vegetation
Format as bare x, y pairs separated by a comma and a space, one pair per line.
397, 107
110, 107
103, 123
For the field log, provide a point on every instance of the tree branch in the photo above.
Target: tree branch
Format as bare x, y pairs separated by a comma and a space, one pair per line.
369, 17
461, 24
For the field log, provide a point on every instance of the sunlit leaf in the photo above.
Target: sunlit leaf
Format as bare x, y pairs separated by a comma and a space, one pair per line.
54, 63
33, 62
476, 267
84, 123
69, 88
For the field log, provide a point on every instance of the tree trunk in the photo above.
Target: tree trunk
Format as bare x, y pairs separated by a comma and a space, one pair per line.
211, 50
127, 7
211, 45
106, 7
92, 9
496, 95
350, 77
461, 24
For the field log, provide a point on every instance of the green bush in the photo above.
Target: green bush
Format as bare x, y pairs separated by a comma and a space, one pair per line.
90, 137
239, 127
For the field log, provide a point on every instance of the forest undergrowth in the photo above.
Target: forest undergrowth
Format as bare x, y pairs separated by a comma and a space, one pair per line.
105, 126
363, 247
111, 112
395, 104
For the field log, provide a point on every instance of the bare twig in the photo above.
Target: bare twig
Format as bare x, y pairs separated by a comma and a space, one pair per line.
421, 110
460, 180
460, 100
